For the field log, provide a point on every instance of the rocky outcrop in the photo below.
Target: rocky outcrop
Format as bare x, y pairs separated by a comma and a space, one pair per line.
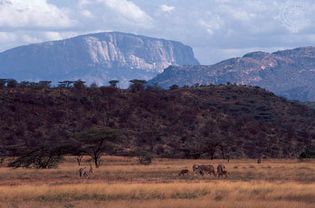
95, 58
289, 73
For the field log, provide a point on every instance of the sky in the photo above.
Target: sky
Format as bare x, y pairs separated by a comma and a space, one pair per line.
215, 29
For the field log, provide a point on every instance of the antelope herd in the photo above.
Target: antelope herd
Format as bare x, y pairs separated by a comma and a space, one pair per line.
206, 169
198, 169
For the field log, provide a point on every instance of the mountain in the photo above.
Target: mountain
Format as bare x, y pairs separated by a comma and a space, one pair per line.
186, 122
289, 73
95, 58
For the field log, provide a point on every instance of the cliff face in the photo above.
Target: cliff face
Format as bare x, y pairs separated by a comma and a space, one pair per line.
289, 73
95, 57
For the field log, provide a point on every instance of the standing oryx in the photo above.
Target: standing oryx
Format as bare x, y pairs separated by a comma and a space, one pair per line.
84, 172
221, 171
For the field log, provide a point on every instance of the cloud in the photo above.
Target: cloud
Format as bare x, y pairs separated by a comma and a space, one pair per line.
166, 8
32, 14
212, 25
86, 13
216, 29
7, 37
83, 3
128, 10
13, 39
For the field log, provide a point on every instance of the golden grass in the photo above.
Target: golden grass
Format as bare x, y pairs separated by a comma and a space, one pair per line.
124, 183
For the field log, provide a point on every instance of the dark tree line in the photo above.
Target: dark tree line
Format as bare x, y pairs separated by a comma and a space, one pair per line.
135, 85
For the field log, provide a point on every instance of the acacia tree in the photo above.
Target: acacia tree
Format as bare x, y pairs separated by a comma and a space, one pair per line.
95, 142
44, 84
137, 85
79, 84
42, 157
12, 83
113, 83
3, 83
65, 84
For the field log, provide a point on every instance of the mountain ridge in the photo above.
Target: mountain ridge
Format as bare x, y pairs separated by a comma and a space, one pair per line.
289, 73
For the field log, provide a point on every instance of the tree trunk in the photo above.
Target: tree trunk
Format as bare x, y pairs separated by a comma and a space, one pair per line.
79, 159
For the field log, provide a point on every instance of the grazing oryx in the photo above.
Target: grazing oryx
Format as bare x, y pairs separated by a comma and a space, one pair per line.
221, 171
183, 172
204, 169
196, 169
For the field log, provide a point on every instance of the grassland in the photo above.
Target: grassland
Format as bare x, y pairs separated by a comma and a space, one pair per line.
121, 182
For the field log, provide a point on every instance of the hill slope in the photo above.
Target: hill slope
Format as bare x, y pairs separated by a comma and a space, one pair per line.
94, 58
208, 121
289, 73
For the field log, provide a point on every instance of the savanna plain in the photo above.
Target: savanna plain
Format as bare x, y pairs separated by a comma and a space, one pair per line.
123, 182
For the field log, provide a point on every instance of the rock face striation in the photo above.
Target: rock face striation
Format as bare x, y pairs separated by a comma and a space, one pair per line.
288, 73
95, 58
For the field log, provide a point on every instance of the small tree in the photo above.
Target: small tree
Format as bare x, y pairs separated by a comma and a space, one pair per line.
79, 154
12, 83
24, 84
95, 142
113, 83
145, 158
2, 159
174, 87
43, 157
94, 85
309, 153
65, 84
44, 84
3, 83
79, 84
137, 85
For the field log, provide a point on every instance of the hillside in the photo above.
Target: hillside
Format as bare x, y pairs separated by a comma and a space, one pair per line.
288, 73
95, 58
310, 104
213, 121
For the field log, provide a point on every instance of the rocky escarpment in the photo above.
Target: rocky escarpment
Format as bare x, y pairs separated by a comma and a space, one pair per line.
289, 73
95, 58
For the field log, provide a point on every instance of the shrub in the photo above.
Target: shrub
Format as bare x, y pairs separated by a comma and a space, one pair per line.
307, 154
37, 160
145, 159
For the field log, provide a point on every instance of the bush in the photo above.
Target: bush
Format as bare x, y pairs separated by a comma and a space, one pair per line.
307, 154
34, 160
145, 159
2, 159
40, 158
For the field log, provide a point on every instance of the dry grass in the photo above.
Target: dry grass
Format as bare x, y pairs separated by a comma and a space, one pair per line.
124, 183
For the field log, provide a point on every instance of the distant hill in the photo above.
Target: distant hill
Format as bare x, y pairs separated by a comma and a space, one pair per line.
289, 73
213, 121
95, 58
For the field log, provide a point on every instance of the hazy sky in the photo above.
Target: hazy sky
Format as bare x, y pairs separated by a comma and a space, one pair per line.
216, 29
